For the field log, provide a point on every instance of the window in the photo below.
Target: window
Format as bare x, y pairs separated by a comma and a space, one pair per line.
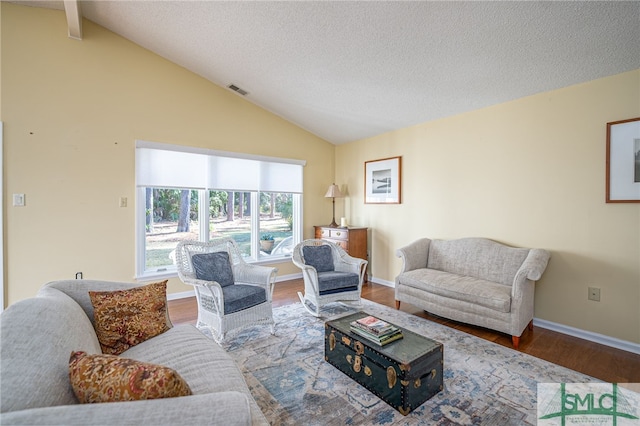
195, 194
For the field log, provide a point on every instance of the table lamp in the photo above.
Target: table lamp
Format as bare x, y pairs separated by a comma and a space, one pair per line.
334, 192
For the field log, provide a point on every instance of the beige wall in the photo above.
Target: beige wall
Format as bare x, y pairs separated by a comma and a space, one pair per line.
72, 112
528, 173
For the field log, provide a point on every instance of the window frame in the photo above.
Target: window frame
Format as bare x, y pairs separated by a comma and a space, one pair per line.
161, 165
170, 271
203, 186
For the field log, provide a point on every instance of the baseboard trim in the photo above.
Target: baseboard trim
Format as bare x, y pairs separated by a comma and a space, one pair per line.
588, 335
289, 277
182, 295
382, 282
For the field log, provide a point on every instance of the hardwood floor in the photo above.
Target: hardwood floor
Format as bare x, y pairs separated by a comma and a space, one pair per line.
599, 361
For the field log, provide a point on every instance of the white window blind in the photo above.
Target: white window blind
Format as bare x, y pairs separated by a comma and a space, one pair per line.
173, 166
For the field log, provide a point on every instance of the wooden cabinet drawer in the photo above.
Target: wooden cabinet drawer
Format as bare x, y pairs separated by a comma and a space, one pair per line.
339, 234
322, 233
332, 233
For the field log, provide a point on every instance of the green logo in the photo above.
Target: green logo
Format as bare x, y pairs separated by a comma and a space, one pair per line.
587, 403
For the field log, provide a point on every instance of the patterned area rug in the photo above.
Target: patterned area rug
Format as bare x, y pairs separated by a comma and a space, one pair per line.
484, 383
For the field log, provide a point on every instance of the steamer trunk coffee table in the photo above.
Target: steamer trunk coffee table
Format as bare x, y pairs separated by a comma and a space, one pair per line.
404, 373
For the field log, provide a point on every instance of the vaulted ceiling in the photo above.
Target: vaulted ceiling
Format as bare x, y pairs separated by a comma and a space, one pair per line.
347, 70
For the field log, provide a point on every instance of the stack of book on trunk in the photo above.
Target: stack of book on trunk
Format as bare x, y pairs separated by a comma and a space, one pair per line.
375, 330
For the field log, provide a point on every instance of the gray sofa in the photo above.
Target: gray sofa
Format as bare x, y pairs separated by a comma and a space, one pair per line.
472, 280
37, 336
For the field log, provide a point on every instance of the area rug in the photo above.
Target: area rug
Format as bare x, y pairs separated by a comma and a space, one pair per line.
484, 383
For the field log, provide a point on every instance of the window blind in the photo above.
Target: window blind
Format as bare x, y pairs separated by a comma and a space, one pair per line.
173, 166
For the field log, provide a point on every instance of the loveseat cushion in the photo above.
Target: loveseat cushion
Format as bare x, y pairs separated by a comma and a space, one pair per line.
125, 318
473, 290
477, 257
38, 334
205, 365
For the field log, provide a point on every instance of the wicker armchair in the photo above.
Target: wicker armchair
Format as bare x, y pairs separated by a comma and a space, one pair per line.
329, 274
229, 304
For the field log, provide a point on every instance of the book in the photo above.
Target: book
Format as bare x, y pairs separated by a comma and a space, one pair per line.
376, 330
377, 335
382, 341
374, 325
375, 338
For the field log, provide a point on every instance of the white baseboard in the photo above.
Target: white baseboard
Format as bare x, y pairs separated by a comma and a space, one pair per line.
589, 335
289, 277
183, 295
382, 282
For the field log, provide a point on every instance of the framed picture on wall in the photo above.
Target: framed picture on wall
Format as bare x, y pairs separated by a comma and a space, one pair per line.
623, 161
382, 182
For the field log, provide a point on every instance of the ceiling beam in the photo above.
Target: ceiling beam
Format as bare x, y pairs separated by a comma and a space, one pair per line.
74, 18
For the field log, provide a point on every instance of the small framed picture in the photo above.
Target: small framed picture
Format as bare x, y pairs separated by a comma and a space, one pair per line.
382, 181
623, 161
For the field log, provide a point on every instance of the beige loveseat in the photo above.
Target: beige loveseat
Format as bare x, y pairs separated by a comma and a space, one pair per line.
39, 334
472, 280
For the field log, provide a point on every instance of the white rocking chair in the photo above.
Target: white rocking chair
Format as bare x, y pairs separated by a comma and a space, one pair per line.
329, 274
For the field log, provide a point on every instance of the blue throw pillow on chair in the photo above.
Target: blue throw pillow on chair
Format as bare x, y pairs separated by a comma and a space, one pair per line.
320, 257
213, 267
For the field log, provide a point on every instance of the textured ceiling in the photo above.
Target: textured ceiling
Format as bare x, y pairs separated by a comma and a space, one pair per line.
350, 70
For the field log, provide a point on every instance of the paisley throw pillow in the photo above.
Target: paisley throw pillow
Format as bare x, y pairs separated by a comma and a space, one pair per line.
125, 318
110, 378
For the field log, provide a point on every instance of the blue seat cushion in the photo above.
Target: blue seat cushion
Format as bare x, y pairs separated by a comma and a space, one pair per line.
336, 282
238, 297
320, 257
213, 267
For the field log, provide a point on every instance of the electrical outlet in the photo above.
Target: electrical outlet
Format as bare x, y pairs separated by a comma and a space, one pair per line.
123, 201
594, 294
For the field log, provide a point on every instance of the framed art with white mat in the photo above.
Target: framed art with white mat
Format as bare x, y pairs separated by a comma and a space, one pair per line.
382, 181
623, 161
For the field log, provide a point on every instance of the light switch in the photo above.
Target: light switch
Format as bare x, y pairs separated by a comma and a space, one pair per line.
18, 200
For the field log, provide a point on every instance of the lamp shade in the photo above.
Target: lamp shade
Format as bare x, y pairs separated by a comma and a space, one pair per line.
334, 192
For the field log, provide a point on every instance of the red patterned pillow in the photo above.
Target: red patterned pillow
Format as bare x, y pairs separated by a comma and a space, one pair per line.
109, 378
124, 318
